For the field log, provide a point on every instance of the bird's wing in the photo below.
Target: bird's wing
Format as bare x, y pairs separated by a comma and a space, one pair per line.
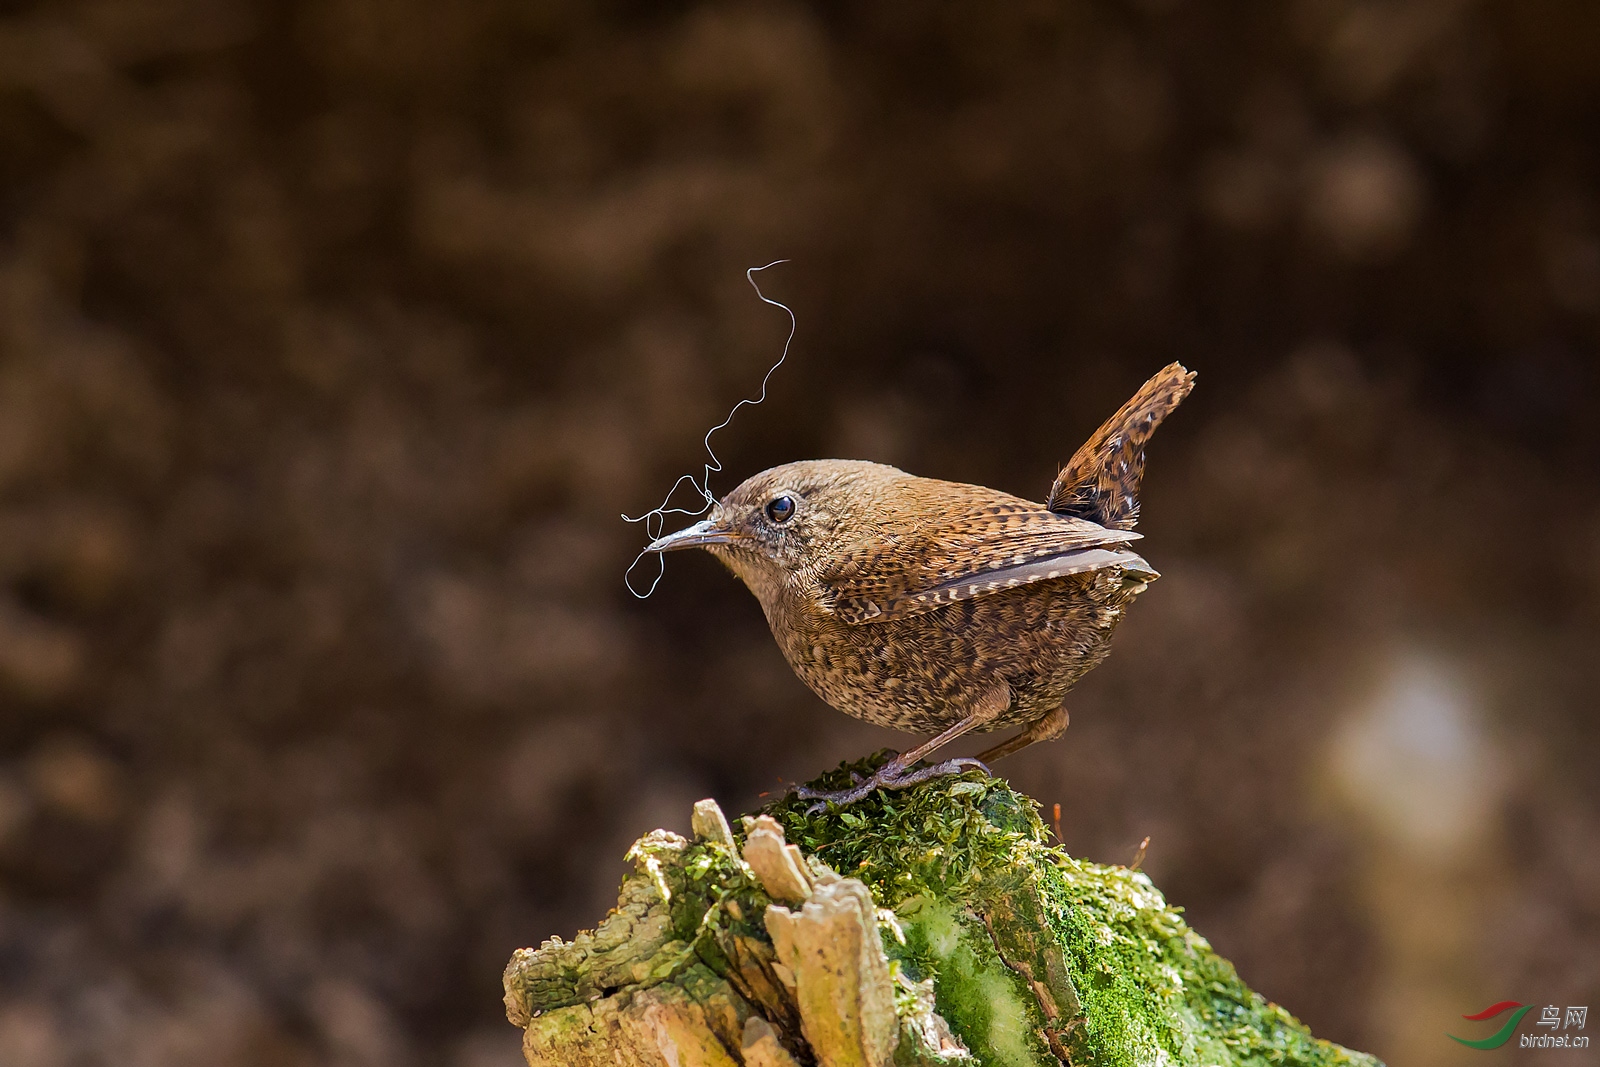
927, 555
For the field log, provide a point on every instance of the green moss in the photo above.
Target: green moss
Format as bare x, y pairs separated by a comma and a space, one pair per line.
936, 839
954, 856
973, 985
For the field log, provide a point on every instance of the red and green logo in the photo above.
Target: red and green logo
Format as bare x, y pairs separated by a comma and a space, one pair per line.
1501, 1036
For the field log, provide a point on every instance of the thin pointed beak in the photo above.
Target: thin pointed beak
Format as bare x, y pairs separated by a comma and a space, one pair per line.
705, 532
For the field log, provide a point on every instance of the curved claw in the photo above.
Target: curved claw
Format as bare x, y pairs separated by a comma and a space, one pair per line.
938, 770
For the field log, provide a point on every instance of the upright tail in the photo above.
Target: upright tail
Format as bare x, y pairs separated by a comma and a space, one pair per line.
1101, 482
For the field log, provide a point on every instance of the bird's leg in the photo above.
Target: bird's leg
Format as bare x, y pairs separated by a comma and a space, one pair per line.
1048, 728
896, 773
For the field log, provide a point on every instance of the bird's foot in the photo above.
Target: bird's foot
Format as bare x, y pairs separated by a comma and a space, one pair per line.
892, 775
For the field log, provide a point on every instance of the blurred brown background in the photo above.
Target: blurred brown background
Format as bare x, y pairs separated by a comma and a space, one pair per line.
334, 337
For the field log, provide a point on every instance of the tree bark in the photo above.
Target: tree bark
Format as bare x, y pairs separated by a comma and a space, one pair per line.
959, 936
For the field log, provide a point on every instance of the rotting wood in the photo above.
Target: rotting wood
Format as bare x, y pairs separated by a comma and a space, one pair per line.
959, 936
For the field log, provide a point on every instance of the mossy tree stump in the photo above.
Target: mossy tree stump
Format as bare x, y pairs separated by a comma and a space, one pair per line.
930, 926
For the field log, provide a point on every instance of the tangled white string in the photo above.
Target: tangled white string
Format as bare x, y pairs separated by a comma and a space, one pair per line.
655, 519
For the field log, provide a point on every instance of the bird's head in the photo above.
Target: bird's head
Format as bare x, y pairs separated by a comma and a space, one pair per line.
780, 526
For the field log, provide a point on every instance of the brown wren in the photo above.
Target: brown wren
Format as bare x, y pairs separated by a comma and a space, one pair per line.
937, 606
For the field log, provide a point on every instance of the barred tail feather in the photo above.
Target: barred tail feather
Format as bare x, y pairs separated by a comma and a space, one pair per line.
1101, 482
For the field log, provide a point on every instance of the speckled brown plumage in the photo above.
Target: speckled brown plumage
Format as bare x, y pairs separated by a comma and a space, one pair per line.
1101, 481
929, 605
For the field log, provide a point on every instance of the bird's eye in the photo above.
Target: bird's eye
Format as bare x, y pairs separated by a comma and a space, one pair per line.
781, 509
